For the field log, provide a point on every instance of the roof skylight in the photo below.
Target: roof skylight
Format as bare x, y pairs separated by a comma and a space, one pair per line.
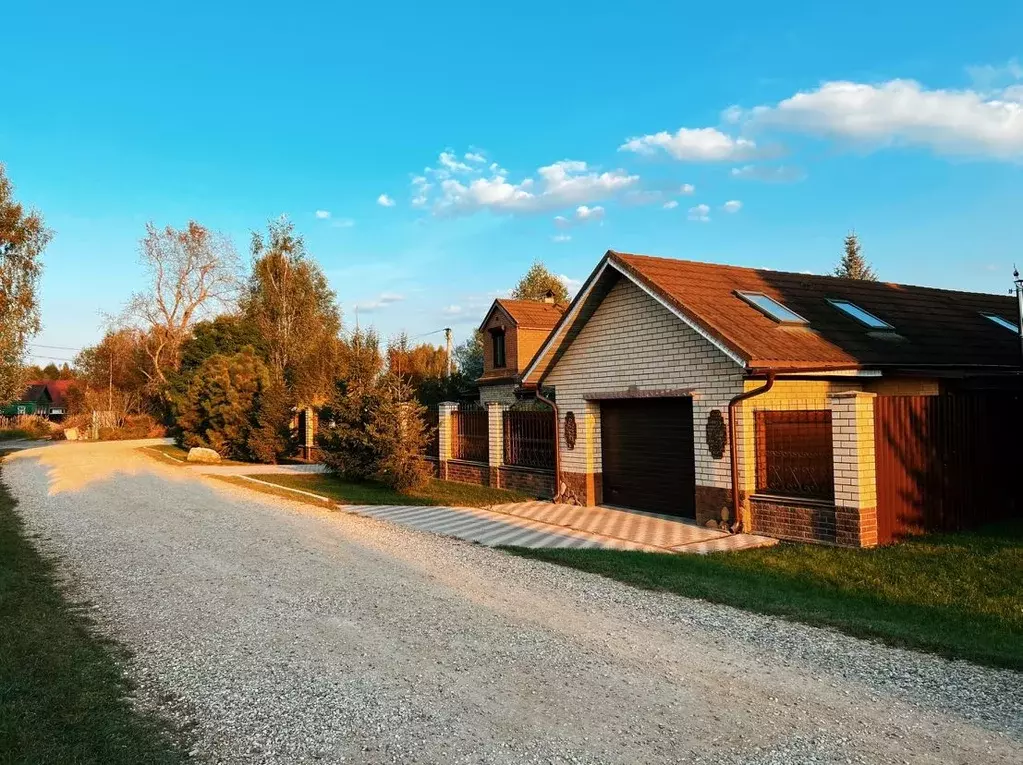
1001, 322
772, 308
863, 317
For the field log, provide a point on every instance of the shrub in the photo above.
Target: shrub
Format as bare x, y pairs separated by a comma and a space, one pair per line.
221, 405
28, 426
134, 426
397, 427
270, 437
344, 438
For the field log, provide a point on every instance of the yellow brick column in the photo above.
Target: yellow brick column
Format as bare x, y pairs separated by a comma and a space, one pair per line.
852, 434
495, 437
444, 436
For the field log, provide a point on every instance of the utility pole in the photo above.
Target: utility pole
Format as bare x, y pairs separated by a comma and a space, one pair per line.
447, 347
110, 383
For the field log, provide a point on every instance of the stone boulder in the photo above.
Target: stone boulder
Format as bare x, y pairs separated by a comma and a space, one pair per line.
203, 456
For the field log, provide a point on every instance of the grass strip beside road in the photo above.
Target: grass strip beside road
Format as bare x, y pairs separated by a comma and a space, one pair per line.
436, 492
63, 695
958, 595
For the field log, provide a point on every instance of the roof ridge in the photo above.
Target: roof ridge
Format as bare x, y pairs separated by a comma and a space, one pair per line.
799, 274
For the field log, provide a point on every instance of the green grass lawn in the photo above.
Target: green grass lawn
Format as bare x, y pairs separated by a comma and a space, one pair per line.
63, 697
959, 595
372, 493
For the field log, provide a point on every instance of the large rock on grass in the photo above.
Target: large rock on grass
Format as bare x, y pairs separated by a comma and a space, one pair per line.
203, 456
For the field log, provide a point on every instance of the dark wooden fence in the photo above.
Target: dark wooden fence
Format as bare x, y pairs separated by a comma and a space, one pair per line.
469, 433
947, 463
529, 438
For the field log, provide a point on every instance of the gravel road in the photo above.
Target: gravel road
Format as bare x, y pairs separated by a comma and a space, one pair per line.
280, 632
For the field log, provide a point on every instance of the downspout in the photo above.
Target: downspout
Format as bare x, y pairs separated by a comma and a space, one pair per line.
733, 447
557, 438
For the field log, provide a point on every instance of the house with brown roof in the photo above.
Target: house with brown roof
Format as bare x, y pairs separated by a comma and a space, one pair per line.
513, 331
772, 402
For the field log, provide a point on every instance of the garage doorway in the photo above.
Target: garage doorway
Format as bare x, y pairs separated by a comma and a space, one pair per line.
647, 454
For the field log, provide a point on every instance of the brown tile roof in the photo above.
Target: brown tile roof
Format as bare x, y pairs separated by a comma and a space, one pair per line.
531, 314
930, 327
58, 390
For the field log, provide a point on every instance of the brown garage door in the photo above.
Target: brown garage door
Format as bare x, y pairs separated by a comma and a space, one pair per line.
647, 454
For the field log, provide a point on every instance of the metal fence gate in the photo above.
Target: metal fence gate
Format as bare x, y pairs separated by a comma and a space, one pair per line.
947, 463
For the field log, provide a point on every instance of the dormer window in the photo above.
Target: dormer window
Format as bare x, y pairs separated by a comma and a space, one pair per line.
497, 340
1001, 322
863, 317
772, 308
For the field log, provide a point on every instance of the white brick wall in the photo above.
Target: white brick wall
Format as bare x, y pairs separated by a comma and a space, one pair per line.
632, 340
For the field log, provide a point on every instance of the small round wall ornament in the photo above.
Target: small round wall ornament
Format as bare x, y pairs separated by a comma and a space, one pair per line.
717, 434
570, 430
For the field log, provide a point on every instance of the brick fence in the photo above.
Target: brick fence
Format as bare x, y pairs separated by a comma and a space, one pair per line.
494, 472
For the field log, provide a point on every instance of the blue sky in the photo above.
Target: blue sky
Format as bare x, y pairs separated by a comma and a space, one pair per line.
636, 123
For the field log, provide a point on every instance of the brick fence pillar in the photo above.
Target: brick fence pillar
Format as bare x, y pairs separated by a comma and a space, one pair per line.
309, 433
852, 435
444, 436
495, 432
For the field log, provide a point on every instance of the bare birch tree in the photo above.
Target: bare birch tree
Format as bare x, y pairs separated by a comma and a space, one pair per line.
192, 273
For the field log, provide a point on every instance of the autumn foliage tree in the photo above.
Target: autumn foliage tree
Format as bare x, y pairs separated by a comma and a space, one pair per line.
538, 283
291, 306
23, 237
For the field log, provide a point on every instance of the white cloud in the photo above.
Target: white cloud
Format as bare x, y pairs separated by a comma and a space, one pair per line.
572, 285
693, 145
383, 300
732, 206
473, 156
342, 223
700, 213
582, 214
687, 188
452, 310
448, 160
322, 214
385, 201
561, 238
671, 205
902, 112
989, 78
564, 183
769, 173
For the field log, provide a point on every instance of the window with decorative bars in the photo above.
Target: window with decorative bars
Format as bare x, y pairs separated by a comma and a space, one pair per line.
794, 454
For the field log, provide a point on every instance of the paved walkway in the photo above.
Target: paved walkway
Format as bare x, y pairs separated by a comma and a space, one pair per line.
493, 529
647, 530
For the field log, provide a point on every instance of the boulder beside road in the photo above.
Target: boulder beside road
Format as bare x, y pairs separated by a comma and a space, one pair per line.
203, 456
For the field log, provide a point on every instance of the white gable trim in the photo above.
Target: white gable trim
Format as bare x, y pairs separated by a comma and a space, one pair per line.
685, 319
566, 321
570, 317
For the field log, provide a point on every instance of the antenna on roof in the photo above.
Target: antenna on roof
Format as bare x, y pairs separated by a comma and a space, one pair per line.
1019, 302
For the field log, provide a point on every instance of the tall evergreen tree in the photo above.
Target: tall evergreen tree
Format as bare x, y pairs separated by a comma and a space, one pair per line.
853, 265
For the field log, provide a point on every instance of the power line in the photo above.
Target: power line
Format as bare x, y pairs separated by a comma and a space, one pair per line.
51, 358
54, 347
